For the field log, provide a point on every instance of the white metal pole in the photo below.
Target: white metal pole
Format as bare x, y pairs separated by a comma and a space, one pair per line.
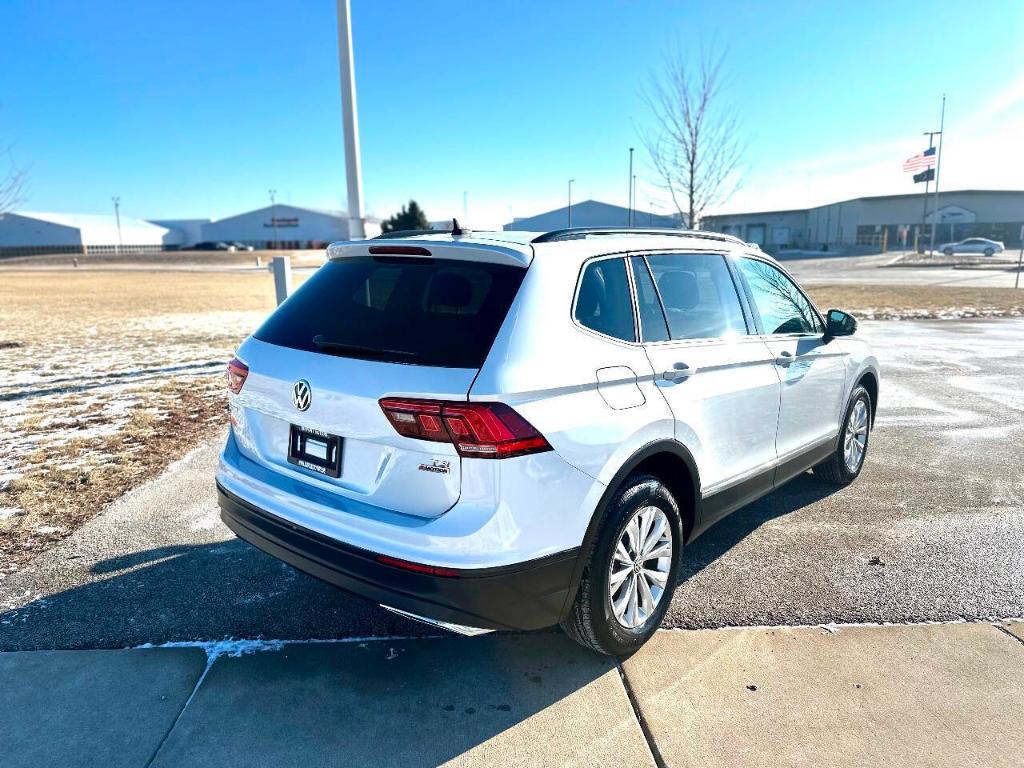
350, 124
938, 166
117, 218
282, 268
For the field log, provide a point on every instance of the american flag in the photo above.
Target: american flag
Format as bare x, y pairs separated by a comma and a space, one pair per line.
920, 161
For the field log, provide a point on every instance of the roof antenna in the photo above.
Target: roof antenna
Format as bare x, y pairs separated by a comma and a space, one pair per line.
456, 229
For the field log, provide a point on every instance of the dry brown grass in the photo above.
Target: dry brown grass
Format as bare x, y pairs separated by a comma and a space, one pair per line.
105, 378
889, 302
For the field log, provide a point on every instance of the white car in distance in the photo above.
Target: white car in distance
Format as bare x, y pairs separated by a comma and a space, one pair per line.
976, 245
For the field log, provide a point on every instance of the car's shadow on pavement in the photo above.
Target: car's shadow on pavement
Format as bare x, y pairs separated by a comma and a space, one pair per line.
228, 589
192, 592
801, 492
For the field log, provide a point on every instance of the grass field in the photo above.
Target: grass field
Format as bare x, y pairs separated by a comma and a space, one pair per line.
108, 376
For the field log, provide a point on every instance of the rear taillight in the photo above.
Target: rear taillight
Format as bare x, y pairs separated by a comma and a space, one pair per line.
477, 430
237, 371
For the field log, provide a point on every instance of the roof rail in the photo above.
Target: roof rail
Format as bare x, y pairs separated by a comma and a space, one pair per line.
579, 233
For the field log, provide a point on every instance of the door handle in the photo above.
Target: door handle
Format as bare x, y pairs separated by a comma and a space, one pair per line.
784, 358
678, 371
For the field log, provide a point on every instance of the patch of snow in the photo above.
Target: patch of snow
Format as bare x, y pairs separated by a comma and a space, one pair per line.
8, 512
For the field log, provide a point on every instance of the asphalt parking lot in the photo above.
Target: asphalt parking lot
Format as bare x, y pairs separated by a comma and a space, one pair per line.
930, 532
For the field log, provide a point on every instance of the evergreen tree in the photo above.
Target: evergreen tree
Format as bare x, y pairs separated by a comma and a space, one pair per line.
411, 217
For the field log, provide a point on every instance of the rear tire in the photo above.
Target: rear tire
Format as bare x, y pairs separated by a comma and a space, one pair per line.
846, 462
989, 251
603, 616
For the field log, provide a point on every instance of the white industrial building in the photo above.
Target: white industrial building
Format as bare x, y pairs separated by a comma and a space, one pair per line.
27, 233
279, 226
182, 232
870, 223
591, 213
289, 226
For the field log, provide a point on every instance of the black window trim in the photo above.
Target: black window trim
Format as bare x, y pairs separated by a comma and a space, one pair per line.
636, 300
757, 315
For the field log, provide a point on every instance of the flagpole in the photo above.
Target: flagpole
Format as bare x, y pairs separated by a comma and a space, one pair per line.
924, 210
938, 167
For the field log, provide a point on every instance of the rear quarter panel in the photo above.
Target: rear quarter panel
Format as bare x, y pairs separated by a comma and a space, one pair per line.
547, 367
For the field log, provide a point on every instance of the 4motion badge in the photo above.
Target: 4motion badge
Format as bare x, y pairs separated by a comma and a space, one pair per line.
440, 466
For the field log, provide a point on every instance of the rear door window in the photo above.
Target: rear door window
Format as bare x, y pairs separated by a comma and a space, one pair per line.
699, 295
603, 303
418, 311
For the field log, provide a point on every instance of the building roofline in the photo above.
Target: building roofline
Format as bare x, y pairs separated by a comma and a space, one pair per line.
758, 213
903, 196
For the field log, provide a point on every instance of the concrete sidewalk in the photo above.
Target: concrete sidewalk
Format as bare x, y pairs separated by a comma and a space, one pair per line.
935, 695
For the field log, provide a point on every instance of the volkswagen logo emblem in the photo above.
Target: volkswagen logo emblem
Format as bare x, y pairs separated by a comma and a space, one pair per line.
302, 395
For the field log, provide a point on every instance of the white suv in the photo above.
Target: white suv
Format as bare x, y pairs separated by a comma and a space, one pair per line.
508, 430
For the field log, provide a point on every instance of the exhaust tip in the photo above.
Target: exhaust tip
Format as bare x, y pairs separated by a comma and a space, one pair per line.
459, 629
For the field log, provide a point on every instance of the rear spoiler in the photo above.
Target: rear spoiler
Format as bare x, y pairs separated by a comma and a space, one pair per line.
494, 253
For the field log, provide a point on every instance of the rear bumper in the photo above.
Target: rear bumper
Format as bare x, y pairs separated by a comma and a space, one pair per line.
525, 596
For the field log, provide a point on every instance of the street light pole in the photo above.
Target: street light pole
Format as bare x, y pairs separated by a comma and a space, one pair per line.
273, 212
629, 219
636, 205
117, 218
570, 202
350, 124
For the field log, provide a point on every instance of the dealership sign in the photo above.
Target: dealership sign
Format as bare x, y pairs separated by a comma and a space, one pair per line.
277, 221
953, 214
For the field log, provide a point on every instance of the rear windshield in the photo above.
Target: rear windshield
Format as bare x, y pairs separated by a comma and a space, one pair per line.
404, 310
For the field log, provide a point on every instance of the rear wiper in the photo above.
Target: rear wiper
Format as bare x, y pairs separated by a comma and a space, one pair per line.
339, 346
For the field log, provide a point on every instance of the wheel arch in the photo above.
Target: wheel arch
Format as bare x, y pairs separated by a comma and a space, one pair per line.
869, 380
670, 462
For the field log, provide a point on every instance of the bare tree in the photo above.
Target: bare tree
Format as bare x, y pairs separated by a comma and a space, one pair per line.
12, 183
696, 148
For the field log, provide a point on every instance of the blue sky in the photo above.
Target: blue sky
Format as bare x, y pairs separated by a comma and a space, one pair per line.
198, 108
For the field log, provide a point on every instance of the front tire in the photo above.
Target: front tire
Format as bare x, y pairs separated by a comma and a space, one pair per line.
846, 462
948, 252
631, 570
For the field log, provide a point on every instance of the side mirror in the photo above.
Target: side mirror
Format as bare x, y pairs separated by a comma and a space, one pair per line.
839, 323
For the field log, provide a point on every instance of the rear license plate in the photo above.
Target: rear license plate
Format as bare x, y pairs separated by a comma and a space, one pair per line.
315, 450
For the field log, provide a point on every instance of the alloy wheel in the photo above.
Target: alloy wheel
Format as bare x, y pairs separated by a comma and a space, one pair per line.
856, 437
638, 574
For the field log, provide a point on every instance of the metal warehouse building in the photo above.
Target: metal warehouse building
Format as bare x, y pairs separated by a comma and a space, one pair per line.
591, 213
871, 222
281, 226
289, 226
27, 233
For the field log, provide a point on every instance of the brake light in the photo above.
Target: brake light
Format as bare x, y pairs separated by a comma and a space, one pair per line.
398, 250
237, 372
477, 430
